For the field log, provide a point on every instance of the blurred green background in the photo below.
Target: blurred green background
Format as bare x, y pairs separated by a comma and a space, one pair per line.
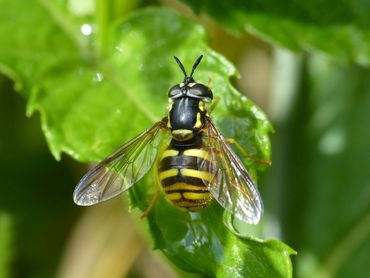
306, 66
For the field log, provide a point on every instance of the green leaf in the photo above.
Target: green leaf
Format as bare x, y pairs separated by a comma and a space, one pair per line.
248, 258
92, 101
29, 35
200, 242
339, 30
193, 241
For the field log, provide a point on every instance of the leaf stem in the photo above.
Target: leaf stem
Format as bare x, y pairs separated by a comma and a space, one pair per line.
6, 240
335, 260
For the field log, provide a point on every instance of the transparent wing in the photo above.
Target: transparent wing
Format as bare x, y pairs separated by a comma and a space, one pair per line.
229, 181
120, 170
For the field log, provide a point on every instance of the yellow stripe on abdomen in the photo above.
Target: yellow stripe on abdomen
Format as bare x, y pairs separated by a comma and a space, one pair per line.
183, 186
196, 174
183, 182
168, 153
174, 196
196, 196
198, 153
168, 173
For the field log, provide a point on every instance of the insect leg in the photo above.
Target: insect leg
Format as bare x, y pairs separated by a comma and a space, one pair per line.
209, 83
214, 104
245, 153
152, 203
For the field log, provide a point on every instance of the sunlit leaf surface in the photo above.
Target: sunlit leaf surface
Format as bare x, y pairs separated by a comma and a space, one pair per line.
91, 102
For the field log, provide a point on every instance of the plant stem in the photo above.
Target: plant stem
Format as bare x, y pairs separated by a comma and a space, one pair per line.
102, 19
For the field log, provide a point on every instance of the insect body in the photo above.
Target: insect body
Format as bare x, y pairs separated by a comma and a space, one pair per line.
181, 177
197, 166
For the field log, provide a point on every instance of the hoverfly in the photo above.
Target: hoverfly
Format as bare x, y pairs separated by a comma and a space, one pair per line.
196, 167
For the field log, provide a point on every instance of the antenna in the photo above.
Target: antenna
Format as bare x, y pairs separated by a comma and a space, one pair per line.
181, 66
188, 79
196, 64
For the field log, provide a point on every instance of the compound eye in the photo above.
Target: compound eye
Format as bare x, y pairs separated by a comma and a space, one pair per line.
201, 91
174, 91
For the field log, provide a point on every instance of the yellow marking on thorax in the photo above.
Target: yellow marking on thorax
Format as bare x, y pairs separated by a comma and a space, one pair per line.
168, 114
168, 153
198, 123
183, 131
168, 173
196, 196
201, 106
198, 153
183, 186
196, 174
182, 134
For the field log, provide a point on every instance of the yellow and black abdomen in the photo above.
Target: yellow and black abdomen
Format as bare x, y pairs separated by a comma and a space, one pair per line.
181, 178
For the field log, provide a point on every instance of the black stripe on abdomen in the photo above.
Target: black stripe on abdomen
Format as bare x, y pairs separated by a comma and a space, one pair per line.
182, 180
